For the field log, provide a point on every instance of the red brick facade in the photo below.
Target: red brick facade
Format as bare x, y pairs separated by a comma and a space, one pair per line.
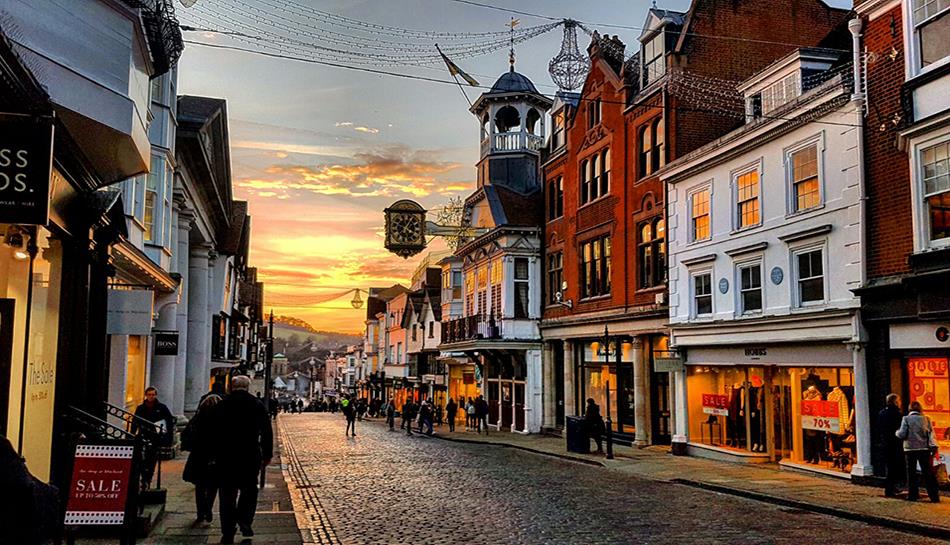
887, 176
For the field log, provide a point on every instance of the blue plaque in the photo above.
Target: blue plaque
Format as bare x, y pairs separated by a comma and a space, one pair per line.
723, 285
777, 275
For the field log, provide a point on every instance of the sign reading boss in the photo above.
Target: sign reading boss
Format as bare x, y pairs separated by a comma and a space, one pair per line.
26, 158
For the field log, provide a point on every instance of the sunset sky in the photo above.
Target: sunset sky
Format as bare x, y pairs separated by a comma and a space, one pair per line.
320, 151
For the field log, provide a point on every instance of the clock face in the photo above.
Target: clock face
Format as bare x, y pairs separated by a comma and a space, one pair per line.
406, 228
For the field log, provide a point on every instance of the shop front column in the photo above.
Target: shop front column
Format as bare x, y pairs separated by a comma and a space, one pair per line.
641, 385
182, 257
533, 390
680, 413
569, 408
862, 414
199, 328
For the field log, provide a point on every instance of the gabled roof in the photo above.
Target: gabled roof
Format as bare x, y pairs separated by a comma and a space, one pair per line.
510, 208
236, 239
659, 17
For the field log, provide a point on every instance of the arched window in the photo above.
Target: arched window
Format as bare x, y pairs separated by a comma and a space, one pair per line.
507, 119
555, 198
651, 253
585, 182
532, 122
646, 142
605, 171
659, 137
652, 154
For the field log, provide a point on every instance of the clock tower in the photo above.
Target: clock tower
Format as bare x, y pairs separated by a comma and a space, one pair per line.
512, 117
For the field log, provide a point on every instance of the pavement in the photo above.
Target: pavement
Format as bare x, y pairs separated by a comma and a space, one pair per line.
764, 482
385, 487
275, 522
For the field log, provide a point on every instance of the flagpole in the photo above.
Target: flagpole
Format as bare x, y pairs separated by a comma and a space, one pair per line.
454, 76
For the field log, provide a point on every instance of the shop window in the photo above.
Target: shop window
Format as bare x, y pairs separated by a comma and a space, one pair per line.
750, 288
702, 294
803, 166
521, 287
595, 267
651, 253
935, 175
699, 214
809, 269
747, 199
555, 276
929, 383
932, 27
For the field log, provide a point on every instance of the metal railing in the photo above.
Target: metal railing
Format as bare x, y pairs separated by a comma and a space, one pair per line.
151, 433
470, 328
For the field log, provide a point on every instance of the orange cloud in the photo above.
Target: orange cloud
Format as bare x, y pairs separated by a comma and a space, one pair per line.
374, 174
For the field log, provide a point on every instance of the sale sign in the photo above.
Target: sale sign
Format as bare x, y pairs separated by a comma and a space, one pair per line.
716, 404
820, 415
100, 485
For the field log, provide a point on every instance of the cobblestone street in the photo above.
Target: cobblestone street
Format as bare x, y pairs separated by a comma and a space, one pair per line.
383, 487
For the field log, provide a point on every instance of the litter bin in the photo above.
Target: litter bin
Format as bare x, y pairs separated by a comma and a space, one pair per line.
578, 437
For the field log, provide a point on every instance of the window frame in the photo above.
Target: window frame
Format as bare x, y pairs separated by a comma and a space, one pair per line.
151, 215
600, 268
921, 211
734, 176
555, 198
595, 176
657, 248
817, 140
912, 41
519, 283
690, 196
659, 57
693, 295
797, 302
555, 275
740, 290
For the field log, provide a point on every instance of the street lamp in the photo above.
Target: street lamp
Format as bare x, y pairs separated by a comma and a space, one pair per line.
610, 433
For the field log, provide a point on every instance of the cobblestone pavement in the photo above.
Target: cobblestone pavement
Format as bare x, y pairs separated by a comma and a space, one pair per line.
387, 488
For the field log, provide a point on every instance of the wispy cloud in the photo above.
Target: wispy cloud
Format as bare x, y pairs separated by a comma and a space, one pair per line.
357, 128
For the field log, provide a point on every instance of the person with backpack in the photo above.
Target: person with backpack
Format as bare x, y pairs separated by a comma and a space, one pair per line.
199, 468
349, 411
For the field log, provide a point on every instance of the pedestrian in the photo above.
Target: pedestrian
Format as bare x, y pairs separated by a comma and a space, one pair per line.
273, 407
300, 405
481, 414
243, 445
425, 417
360, 409
919, 447
450, 410
888, 422
199, 468
595, 424
470, 415
408, 413
31, 512
154, 411
391, 415
349, 411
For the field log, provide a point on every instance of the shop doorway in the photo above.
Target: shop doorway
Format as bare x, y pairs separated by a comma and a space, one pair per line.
558, 385
660, 408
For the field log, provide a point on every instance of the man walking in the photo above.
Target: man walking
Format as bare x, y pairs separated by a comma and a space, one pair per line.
391, 415
243, 445
408, 412
481, 414
888, 422
154, 411
450, 411
349, 411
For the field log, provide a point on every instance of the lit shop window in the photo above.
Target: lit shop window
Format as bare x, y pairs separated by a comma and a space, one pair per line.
929, 384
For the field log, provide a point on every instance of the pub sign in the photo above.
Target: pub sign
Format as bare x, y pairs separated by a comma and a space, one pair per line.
26, 159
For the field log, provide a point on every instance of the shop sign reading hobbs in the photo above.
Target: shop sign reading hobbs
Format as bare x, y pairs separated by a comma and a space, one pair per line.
26, 157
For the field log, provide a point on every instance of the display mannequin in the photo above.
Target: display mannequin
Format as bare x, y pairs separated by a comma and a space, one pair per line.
813, 439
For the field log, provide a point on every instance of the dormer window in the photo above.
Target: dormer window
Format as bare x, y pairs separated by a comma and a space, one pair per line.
652, 60
558, 133
780, 93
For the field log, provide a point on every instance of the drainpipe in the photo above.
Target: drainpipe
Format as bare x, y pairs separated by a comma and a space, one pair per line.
862, 412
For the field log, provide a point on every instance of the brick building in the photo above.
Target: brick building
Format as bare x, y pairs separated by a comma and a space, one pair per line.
905, 298
605, 262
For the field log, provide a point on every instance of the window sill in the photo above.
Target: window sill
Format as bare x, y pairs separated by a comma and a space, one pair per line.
805, 307
805, 212
651, 289
745, 229
595, 298
920, 76
595, 201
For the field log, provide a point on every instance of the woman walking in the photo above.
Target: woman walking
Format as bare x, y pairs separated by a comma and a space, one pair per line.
199, 468
919, 446
470, 415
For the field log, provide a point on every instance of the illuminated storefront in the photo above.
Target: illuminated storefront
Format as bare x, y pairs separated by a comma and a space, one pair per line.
789, 404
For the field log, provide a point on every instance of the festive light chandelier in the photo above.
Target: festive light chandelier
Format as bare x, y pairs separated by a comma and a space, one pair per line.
569, 68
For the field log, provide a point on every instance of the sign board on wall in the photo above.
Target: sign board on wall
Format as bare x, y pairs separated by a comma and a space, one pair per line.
820, 415
716, 404
102, 474
668, 365
130, 312
26, 160
166, 343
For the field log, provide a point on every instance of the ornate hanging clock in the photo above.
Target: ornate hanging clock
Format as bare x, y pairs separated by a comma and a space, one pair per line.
405, 228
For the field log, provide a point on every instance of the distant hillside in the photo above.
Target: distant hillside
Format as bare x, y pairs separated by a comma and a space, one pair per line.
294, 332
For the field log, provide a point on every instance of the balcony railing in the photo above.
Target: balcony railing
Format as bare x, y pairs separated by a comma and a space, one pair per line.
512, 141
470, 328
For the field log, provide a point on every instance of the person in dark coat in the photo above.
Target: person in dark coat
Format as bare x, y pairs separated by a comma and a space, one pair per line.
349, 411
888, 422
408, 413
152, 410
451, 409
32, 516
481, 414
595, 424
391, 415
243, 445
199, 469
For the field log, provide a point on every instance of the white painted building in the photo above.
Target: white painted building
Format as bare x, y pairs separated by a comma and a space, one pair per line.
766, 242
